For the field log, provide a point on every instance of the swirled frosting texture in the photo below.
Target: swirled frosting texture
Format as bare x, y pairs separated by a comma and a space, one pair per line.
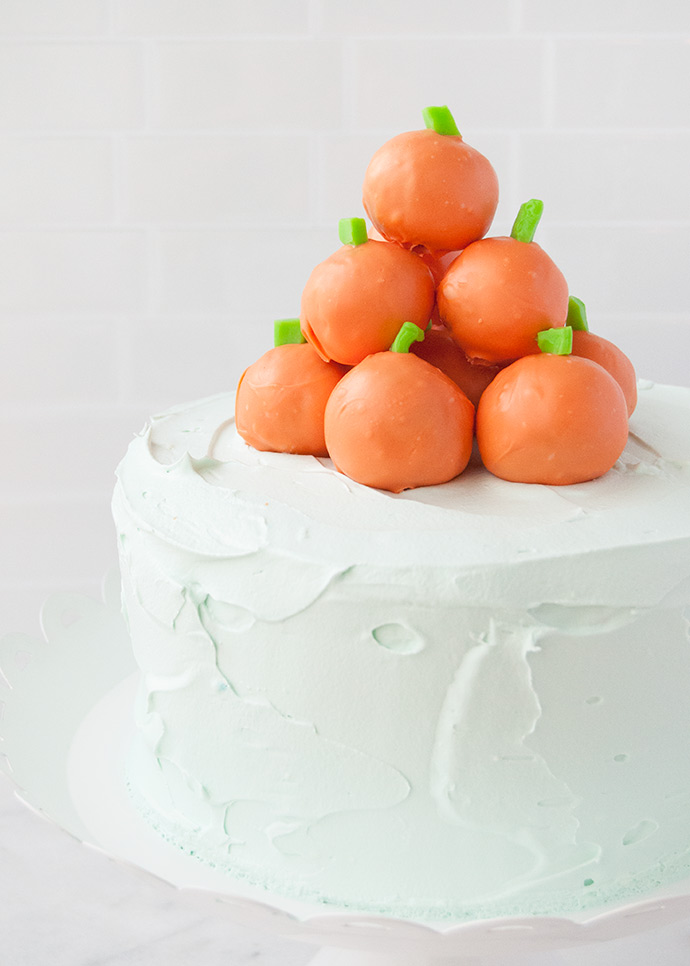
465, 700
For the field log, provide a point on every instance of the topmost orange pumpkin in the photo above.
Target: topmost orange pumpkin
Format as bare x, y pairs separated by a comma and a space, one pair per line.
430, 188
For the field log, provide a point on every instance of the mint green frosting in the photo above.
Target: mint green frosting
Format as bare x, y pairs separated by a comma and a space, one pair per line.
459, 701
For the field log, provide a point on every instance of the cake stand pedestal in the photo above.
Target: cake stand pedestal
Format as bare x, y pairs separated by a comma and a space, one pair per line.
65, 727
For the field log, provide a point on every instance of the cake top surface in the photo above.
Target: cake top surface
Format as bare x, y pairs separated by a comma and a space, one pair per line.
192, 480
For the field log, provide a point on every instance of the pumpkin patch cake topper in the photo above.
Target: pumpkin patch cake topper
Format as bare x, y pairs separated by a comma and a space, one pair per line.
419, 320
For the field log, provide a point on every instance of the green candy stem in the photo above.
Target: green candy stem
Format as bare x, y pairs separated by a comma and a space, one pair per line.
558, 342
577, 314
409, 333
287, 330
440, 119
527, 220
352, 231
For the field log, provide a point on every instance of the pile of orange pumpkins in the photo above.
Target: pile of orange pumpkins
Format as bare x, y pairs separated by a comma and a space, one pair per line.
421, 333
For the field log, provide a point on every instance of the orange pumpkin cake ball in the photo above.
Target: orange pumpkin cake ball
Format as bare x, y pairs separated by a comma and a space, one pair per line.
598, 349
437, 263
500, 292
439, 349
430, 187
553, 419
281, 398
396, 422
355, 301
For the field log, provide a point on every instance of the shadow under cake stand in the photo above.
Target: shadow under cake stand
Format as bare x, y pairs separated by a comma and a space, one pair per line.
65, 727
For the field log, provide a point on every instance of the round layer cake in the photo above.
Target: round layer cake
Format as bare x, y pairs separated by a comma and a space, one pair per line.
458, 701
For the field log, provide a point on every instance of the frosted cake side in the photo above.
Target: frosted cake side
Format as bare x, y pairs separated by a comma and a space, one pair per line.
458, 701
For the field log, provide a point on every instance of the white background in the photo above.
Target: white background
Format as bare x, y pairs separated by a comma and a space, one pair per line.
172, 170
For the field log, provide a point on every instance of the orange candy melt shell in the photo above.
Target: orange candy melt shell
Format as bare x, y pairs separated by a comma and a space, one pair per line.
396, 422
355, 301
437, 262
552, 419
439, 349
424, 188
594, 347
498, 294
281, 400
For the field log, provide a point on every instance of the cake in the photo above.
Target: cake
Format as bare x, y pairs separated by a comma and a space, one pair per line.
444, 696
461, 700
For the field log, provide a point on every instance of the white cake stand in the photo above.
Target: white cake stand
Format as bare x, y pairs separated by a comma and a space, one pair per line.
65, 713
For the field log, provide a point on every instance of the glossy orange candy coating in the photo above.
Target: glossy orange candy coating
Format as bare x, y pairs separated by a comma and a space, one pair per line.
552, 419
281, 398
355, 301
613, 359
498, 294
439, 349
395, 422
437, 263
424, 188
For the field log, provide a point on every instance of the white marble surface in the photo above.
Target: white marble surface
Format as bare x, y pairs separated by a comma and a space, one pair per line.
64, 904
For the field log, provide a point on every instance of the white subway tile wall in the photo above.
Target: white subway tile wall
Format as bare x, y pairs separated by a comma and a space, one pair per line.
54, 271
59, 180
170, 172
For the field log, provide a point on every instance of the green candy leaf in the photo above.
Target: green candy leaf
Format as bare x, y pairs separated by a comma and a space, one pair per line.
409, 333
527, 220
440, 119
558, 342
286, 331
577, 314
352, 231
